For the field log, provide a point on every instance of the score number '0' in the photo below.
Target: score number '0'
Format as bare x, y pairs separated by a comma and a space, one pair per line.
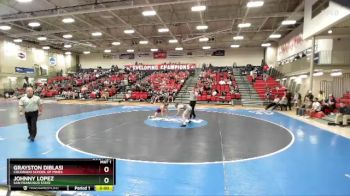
106, 170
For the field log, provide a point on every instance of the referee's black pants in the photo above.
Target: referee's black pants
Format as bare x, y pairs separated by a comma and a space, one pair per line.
31, 118
193, 105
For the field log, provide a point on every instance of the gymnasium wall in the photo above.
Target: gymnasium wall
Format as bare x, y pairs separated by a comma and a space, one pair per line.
241, 56
10, 60
341, 44
335, 85
31, 56
271, 56
294, 43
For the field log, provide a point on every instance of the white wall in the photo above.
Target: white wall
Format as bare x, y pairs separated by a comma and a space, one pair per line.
271, 56
9, 60
241, 56
292, 44
341, 44
324, 47
327, 18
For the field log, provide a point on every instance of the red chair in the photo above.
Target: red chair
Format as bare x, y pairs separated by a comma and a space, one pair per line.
317, 115
49, 94
93, 95
143, 95
215, 98
208, 98
227, 88
133, 95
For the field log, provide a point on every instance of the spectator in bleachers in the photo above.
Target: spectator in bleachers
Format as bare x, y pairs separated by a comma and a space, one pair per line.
343, 115
283, 103
316, 107
268, 93
273, 104
157, 97
253, 75
321, 96
105, 94
309, 95
171, 96
215, 92
222, 82
305, 107
204, 66
265, 77
329, 104
128, 95
265, 68
235, 88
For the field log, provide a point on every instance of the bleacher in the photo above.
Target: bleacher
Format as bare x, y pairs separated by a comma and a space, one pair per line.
159, 83
345, 99
261, 86
225, 91
112, 79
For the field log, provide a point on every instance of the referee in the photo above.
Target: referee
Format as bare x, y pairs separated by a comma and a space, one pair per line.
31, 105
193, 102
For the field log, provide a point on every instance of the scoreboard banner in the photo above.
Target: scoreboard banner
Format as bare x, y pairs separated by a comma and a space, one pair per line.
61, 174
163, 67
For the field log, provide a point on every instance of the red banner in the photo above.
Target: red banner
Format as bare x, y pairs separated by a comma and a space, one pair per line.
163, 67
159, 55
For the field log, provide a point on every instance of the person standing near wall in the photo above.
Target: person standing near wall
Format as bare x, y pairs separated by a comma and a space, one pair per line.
297, 99
30, 105
289, 99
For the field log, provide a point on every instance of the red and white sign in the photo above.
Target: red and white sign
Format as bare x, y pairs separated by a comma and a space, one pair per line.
163, 67
293, 46
160, 55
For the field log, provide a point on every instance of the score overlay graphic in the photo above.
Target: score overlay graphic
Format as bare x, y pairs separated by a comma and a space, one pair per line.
61, 174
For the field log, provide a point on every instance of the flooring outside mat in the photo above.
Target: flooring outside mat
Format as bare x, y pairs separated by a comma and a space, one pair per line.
316, 163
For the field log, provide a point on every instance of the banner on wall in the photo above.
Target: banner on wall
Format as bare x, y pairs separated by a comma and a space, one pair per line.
174, 54
110, 56
162, 67
52, 60
160, 55
127, 56
24, 70
218, 53
107, 56
293, 46
144, 54
22, 55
